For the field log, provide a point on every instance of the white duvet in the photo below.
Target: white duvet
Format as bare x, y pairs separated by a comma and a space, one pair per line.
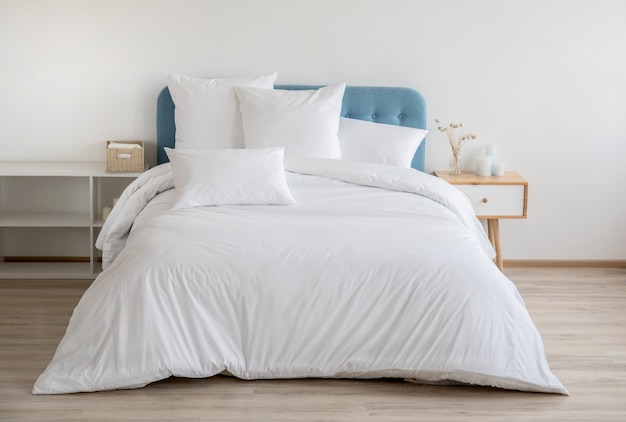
375, 272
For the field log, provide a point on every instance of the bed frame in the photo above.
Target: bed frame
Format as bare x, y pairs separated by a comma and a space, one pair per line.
391, 105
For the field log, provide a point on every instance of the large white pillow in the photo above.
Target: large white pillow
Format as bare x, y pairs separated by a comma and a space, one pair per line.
372, 142
304, 122
207, 114
229, 177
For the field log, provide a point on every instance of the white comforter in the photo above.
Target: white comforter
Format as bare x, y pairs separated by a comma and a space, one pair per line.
375, 272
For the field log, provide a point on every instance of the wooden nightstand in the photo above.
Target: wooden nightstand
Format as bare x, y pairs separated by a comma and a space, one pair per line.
493, 198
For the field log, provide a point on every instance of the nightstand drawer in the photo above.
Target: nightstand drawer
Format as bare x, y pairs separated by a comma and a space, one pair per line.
496, 200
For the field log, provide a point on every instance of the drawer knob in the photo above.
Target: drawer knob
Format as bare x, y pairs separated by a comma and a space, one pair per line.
485, 200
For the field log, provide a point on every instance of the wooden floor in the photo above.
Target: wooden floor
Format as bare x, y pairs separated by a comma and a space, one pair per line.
581, 314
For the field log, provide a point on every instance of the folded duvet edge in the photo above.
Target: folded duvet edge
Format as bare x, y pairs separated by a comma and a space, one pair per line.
45, 385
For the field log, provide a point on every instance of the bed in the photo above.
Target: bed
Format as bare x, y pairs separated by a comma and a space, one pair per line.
329, 267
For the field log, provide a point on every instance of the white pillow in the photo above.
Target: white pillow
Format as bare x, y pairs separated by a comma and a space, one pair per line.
372, 142
304, 122
229, 177
206, 114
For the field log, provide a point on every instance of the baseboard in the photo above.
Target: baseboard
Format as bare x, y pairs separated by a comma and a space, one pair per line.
565, 263
46, 259
511, 263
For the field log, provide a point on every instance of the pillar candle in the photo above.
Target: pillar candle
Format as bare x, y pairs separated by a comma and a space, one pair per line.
492, 151
498, 169
483, 166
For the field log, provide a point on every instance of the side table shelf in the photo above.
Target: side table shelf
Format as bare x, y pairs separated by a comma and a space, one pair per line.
50, 217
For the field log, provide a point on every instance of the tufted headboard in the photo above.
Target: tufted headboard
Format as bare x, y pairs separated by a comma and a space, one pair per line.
391, 105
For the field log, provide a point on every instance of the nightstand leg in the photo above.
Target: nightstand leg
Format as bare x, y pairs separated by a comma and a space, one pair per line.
490, 233
493, 230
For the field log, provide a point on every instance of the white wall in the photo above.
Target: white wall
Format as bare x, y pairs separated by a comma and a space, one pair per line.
543, 79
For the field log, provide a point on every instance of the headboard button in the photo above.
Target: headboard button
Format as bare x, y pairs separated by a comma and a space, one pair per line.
400, 116
373, 116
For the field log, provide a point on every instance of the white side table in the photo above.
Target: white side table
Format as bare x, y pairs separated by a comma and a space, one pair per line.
47, 207
493, 198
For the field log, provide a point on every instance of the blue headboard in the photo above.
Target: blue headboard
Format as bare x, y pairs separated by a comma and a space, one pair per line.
391, 105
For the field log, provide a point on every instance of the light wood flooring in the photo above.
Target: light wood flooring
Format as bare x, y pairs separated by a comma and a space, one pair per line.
581, 314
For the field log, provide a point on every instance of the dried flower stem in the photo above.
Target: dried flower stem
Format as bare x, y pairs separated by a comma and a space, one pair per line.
455, 143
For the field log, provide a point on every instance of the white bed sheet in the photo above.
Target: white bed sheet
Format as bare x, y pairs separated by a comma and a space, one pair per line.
354, 281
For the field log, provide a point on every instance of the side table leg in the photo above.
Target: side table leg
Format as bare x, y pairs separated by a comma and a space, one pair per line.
490, 233
493, 226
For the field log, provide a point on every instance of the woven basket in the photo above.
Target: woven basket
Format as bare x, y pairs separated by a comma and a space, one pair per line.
125, 160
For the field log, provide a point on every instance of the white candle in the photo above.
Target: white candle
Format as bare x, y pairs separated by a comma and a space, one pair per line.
483, 166
491, 150
498, 169
105, 213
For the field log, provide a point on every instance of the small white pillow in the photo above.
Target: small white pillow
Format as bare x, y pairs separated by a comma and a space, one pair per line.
206, 114
229, 177
380, 143
304, 122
